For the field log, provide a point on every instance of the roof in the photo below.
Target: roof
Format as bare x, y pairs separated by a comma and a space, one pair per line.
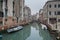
51, 1
27, 8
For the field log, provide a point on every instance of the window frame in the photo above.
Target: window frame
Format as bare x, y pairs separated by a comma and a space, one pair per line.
55, 5
50, 5
55, 13
49, 12
58, 13
58, 5
58, 20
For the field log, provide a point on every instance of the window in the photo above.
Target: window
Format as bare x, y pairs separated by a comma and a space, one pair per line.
13, 8
55, 12
5, 12
52, 20
1, 2
1, 5
6, 2
5, 19
55, 5
49, 12
12, 19
13, 13
1, 14
13, 4
1, 22
58, 20
50, 6
58, 5
58, 13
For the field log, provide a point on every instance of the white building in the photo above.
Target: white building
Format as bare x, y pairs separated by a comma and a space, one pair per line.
18, 9
27, 13
51, 11
37, 16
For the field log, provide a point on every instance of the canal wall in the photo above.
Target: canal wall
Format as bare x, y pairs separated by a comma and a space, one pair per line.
14, 24
53, 33
45, 23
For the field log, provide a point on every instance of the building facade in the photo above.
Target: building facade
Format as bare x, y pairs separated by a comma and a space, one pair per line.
51, 11
8, 18
37, 16
27, 14
11, 11
41, 17
34, 17
1, 12
18, 9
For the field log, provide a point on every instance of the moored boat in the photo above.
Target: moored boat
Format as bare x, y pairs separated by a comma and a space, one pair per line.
14, 29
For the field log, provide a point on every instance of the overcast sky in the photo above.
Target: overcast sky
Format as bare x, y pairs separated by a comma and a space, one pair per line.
35, 5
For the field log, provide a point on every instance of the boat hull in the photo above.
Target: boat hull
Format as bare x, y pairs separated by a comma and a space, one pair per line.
14, 29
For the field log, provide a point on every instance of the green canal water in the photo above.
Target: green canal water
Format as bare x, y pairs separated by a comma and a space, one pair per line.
29, 32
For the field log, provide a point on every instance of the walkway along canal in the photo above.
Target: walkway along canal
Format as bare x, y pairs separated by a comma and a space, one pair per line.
29, 32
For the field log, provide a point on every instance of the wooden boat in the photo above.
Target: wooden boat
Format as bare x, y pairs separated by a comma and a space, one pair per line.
14, 29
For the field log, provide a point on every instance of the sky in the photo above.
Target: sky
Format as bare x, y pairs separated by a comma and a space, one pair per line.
35, 5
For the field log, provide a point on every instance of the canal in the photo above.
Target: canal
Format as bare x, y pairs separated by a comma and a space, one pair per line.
29, 32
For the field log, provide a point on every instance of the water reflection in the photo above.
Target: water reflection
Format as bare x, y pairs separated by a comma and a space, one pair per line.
0, 38
29, 32
20, 35
44, 34
26, 32
34, 33
35, 25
